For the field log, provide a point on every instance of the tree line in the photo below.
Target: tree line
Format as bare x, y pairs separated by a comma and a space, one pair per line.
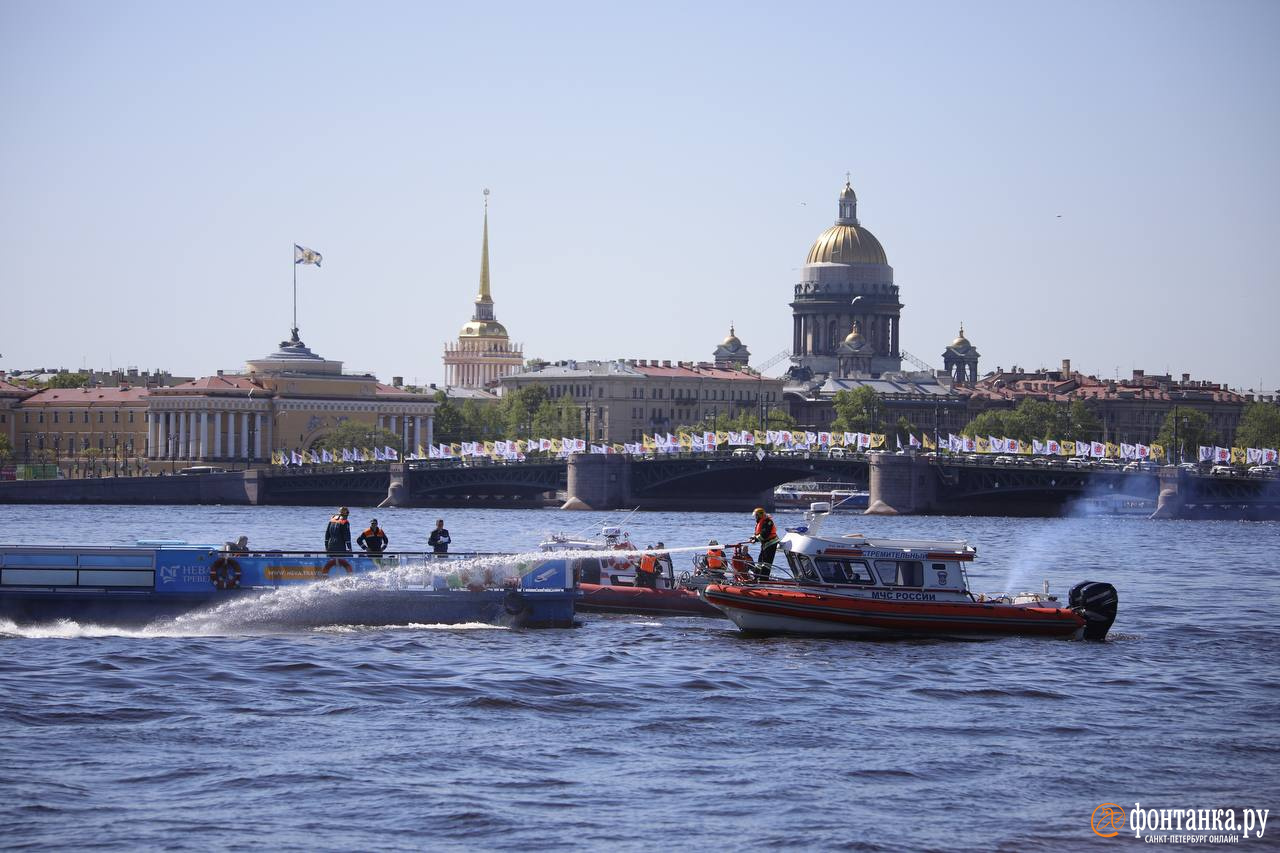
862, 410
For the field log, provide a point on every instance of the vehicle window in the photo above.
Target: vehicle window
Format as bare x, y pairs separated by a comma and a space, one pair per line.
588, 570
859, 572
802, 567
831, 571
900, 572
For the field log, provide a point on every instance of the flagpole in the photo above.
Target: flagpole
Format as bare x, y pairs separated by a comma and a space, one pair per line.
295, 293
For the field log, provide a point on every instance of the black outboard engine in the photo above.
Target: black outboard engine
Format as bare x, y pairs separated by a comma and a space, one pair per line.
1096, 602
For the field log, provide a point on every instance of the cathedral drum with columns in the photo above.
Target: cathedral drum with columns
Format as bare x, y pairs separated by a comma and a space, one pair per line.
846, 310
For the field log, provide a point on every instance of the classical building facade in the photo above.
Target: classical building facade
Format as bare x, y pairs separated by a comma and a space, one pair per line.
846, 281
622, 400
484, 352
288, 400
846, 333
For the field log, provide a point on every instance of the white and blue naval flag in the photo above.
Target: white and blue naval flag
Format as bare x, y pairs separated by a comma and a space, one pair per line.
303, 255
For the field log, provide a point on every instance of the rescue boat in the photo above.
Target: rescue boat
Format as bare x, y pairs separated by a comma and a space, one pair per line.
606, 574
859, 586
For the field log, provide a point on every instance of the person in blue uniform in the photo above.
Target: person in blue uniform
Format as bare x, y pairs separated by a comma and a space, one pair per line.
337, 536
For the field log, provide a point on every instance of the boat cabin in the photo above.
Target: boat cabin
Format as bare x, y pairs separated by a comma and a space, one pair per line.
887, 568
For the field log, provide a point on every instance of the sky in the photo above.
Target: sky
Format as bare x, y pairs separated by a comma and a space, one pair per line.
1096, 181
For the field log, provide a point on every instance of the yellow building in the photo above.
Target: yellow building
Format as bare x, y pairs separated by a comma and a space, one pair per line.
91, 430
484, 353
288, 401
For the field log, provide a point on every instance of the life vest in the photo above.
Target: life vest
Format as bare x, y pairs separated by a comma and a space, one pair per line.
715, 559
766, 531
649, 564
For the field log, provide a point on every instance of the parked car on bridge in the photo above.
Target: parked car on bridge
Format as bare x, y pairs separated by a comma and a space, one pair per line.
1141, 465
1080, 462
1222, 471
1262, 471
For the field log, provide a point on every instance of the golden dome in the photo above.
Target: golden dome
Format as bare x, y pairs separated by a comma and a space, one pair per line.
483, 329
846, 244
847, 194
731, 342
961, 342
854, 337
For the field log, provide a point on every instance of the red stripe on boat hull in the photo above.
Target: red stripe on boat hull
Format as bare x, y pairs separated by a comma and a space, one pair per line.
803, 611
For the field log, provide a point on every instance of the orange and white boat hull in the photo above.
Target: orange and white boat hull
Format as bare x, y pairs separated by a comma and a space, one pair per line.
789, 609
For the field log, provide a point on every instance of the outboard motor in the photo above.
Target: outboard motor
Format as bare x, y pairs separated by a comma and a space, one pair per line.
1096, 602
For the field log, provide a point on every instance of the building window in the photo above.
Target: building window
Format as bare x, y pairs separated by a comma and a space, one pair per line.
40, 417
55, 417
100, 416
115, 416
86, 415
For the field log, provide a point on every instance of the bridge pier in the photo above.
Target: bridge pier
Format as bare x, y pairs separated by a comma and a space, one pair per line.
900, 485
598, 481
1172, 486
397, 492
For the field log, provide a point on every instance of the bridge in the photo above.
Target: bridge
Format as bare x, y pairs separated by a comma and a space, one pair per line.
729, 481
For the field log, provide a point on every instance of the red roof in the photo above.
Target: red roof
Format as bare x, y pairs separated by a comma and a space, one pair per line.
86, 396
225, 384
8, 389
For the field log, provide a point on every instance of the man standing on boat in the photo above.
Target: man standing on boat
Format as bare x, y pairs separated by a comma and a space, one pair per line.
715, 558
647, 572
439, 539
767, 535
374, 539
337, 536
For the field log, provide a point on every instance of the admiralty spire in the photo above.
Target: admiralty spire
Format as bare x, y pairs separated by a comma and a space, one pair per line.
484, 353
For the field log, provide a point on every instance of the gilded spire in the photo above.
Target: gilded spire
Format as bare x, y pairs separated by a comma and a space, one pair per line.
484, 255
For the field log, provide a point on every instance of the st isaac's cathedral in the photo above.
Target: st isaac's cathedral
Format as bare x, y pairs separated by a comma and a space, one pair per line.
846, 331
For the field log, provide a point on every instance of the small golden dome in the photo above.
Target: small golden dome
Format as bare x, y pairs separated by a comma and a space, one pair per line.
855, 336
731, 342
846, 244
483, 329
847, 194
961, 342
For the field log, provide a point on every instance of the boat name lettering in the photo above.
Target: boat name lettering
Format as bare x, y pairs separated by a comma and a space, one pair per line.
292, 573
183, 574
895, 555
904, 596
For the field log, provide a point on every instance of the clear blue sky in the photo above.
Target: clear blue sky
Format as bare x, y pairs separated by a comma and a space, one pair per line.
1093, 181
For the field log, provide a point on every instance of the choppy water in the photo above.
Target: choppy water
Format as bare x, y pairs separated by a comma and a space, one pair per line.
643, 733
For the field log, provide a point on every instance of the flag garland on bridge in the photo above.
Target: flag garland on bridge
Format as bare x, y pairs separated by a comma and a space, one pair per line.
834, 443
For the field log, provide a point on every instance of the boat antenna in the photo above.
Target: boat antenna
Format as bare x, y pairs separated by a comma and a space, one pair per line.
597, 524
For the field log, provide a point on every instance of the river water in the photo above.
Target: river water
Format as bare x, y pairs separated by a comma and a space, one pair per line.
636, 733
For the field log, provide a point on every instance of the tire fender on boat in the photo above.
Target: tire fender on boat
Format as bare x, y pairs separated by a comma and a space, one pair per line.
336, 561
225, 573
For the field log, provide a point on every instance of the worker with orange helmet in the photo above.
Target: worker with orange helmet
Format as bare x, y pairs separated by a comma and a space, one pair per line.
767, 535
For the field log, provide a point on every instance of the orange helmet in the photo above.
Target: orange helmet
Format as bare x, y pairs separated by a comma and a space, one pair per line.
759, 511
